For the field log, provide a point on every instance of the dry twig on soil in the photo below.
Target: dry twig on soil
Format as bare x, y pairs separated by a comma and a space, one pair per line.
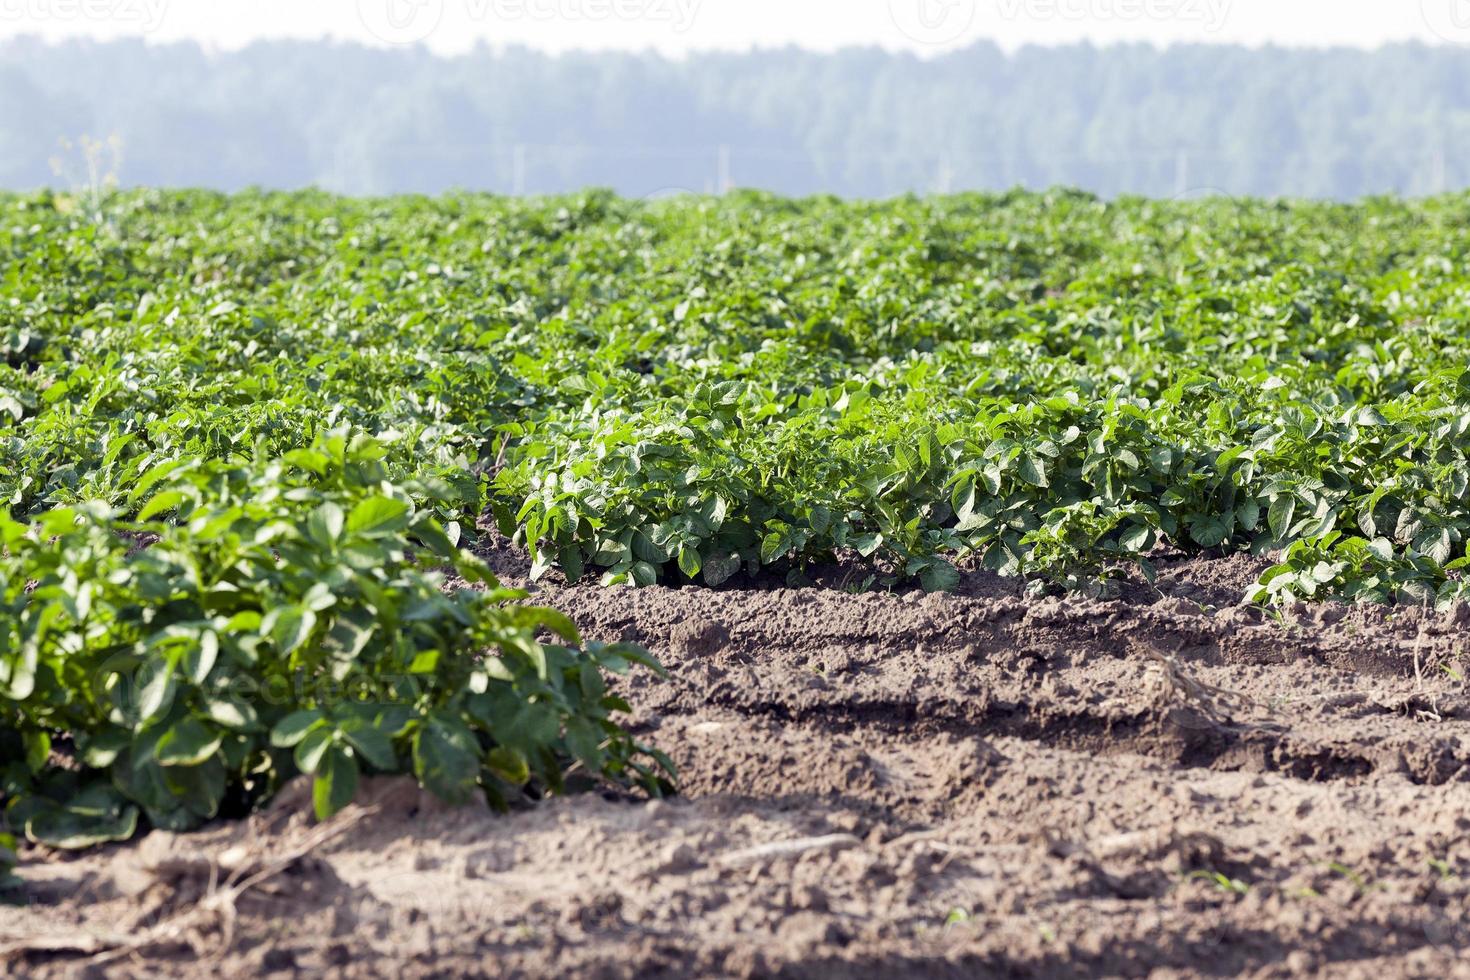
216, 908
1171, 680
786, 849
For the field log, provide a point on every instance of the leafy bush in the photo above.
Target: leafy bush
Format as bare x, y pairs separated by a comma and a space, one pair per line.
288, 619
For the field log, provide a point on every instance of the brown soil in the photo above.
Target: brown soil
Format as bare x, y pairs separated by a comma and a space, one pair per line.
1169, 784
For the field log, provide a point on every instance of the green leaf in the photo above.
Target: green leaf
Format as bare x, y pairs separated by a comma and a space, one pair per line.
325, 523
75, 830
689, 561
187, 744
312, 749
291, 627
378, 515
1211, 532
1137, 539
940, 576
100, 751
155, 690
335, 784
1382, 548
585, 742
200, 659
718, 568
290, 730
372, 744
510, 765
233, 713
572, 565
647, 551
1279, 517
773, 547
38, 750
821, 520
165, 501
446, 759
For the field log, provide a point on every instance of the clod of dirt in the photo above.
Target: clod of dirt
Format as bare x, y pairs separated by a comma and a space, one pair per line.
699, 637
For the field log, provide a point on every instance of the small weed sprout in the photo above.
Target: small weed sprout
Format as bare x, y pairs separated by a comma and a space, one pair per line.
1222, 882
1359, 882
1443, 868
958, 916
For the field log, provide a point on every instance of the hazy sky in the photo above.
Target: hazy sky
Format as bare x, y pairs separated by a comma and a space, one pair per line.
680, 26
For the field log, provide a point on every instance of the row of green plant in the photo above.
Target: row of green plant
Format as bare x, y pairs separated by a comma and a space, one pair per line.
234, 625
1048, 384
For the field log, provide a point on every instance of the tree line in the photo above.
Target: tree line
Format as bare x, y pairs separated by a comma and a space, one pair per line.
1182, 120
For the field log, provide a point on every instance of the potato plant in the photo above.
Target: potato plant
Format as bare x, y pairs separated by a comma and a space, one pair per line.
242, 624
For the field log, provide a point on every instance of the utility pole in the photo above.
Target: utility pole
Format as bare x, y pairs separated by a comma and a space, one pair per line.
944, 180
722, 181
518, 170
1181, 173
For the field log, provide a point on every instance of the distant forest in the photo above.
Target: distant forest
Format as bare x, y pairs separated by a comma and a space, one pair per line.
1185, 120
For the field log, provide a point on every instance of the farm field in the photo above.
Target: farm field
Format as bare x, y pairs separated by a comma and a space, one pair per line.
1019, 583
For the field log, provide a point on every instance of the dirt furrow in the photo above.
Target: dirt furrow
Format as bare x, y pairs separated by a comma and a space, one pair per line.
878, 785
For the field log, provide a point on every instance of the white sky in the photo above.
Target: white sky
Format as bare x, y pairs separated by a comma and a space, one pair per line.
678, 27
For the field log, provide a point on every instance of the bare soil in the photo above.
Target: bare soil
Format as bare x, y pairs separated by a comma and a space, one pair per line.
1168, 784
